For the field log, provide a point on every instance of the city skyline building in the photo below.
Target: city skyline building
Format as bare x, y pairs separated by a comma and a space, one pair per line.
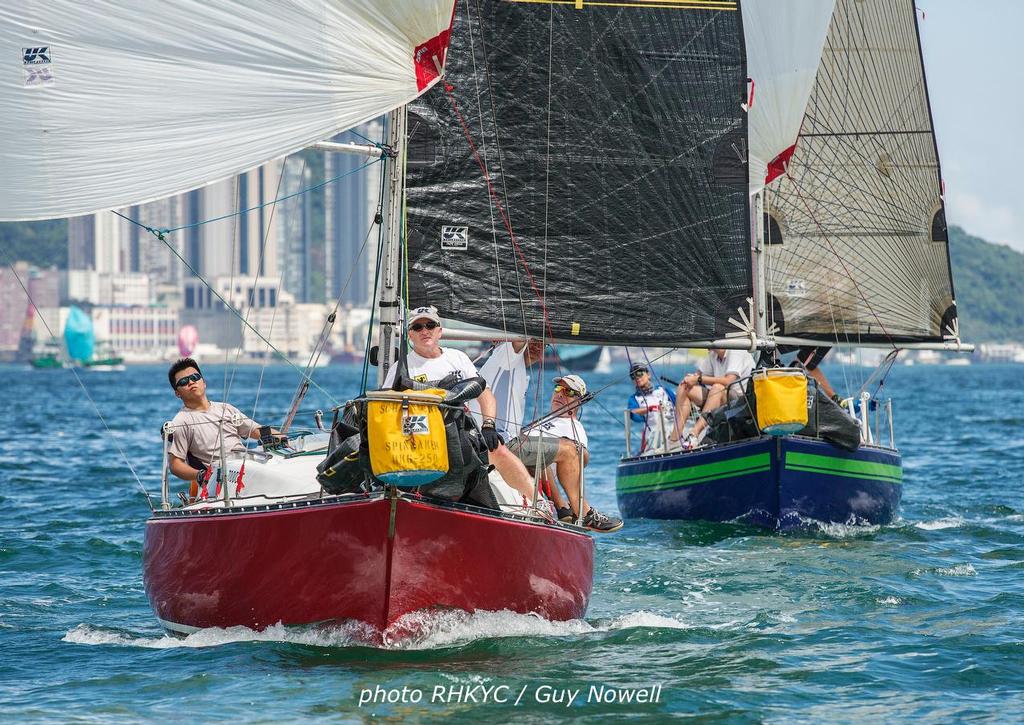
350, 204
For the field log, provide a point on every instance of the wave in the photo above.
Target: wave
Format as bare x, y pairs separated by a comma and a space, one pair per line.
415, 631
948, 522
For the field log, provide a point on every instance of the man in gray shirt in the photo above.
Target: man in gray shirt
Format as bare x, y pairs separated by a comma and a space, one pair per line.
197, 427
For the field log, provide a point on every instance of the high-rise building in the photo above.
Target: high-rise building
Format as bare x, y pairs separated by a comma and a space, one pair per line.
295, 230
43, 286
240, 244
350, 204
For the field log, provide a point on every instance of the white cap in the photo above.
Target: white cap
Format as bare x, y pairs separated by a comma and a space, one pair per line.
424, 313
573, 382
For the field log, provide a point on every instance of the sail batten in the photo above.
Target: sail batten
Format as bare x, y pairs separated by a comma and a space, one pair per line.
114, 114
603, 184
861, 253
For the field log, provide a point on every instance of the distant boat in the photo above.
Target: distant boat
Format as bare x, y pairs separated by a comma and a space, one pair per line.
188, 338
575, 358
80, 348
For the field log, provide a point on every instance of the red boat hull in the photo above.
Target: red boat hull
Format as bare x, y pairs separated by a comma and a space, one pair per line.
371, 560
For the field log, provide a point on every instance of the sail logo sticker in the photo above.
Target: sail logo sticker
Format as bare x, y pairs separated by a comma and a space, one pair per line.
415, 425
456, 238
36, 56
796, 288
37, 66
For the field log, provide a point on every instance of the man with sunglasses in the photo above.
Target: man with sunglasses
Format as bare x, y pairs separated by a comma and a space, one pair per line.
561, 440
428, 362
649, 405
198, 425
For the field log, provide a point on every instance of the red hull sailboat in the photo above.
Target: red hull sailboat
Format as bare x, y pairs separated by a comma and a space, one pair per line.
370, 559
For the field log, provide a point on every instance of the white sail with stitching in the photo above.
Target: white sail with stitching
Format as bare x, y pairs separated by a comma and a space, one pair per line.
111, 103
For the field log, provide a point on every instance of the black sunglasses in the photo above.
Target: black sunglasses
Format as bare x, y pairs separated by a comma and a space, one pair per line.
193, 378
637, 373
417, 326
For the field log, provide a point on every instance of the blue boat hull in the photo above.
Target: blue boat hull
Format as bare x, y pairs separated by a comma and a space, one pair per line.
779, 483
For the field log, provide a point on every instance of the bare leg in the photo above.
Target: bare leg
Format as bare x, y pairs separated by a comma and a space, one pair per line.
567, 464
822, 381
716, 397
556, 495
686, 398
512, 470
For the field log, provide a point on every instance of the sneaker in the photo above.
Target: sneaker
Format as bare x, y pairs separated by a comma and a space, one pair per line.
565, 515
597, 521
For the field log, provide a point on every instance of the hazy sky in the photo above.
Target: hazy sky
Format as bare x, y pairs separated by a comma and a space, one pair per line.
973, 55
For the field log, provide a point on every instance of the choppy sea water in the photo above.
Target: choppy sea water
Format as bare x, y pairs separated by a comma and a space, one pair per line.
923, 619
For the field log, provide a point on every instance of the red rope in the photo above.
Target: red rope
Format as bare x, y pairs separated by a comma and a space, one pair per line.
448, 88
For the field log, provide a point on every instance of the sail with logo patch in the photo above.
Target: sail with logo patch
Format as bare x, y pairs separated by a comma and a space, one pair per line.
120, 103
856, 242
583, 172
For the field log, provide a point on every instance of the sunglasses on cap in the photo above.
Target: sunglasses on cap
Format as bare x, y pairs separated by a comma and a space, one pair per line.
429, 324
567, 391
193, 378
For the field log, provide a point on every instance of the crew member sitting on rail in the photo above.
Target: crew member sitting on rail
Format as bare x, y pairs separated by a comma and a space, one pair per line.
197, 427
561, 439
653, 405
430, 363
711, 386
508, 378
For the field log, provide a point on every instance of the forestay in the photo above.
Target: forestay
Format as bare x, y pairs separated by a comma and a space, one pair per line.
614, 141
112, 103
857, 247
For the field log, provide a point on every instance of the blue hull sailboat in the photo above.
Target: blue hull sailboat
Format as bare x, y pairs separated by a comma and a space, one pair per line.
850, 248
775, 482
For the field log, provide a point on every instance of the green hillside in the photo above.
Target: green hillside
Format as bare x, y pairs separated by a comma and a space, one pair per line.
988, 278
44, 243
989, 284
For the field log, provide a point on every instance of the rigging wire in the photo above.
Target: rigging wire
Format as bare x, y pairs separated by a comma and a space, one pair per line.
164, 231
380, 260
277, 293
81, 384
260, 335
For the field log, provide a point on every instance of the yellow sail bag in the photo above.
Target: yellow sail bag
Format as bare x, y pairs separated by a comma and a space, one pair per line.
406, 436
781, 395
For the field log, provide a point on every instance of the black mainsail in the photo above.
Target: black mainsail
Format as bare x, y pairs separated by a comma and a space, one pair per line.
587, 160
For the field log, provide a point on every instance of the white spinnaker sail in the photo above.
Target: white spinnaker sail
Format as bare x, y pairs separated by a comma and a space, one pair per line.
784, 39
109, 103
857, 249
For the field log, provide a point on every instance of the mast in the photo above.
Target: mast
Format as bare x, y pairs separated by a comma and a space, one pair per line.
390, 304
760, 288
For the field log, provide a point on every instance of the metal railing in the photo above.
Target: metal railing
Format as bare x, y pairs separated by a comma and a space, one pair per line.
874, 418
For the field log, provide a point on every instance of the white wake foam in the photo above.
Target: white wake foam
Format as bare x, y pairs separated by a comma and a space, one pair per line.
957, 570
949, 522
419, 630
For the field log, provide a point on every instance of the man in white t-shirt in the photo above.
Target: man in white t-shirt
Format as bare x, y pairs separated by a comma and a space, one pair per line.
197, 428
430, 363
720, 377
562, 440
508, 378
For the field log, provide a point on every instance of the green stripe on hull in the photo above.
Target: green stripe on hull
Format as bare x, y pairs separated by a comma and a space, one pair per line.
690, 475
848, 468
